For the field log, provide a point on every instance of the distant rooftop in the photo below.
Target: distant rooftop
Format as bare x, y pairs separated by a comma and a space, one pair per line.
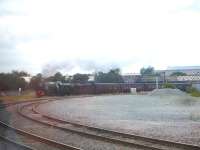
130, 74
183, 68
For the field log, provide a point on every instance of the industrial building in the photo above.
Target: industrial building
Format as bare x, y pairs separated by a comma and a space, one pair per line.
189, 70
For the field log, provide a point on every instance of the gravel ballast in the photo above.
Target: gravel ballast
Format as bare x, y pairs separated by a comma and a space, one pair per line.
174, 118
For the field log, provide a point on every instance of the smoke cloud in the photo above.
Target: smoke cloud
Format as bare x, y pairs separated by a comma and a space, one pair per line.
71, 67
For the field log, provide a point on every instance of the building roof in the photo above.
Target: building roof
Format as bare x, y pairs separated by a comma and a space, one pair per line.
184, 68
130, 74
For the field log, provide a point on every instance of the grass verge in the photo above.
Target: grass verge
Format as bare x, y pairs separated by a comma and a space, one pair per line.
193, 92
24, 96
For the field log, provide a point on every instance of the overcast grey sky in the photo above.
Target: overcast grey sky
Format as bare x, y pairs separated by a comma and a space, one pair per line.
85, 35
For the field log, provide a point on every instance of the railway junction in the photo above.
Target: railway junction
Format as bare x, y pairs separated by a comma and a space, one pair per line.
110, 122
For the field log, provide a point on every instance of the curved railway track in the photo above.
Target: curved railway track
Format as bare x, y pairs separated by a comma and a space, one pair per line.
89, 143
16, 144
29, 135
39, 138
104, 134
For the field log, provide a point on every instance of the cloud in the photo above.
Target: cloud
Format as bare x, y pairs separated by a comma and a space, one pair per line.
7, 41
129, 34
195, 6
74, 66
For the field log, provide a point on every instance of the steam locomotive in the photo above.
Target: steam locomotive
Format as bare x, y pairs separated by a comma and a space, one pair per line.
61, 89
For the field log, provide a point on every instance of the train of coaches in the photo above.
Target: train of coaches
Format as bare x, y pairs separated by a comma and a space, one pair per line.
61, 89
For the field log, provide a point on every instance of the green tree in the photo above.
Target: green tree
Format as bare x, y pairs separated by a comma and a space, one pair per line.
20, 73
178, 74
36, 81
57, 77
113, 76
147, 71
12, 81
80, 78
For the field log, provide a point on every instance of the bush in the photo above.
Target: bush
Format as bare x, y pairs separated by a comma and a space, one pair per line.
12, 81
178, 74
193, 92
169, 85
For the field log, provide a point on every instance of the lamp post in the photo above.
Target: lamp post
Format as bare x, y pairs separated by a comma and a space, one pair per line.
156, 82
164, 78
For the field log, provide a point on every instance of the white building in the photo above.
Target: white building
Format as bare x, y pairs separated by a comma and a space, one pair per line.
130, 77
189, 70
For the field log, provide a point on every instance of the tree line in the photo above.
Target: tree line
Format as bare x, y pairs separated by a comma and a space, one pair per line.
112, 76
15, 79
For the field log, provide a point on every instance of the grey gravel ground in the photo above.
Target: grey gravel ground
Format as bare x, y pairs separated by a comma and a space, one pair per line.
173, 117
10, 118
58, 135
8, 146
167, 92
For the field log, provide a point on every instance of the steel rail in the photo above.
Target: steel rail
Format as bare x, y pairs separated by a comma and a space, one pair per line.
99, 137
37, 137
153, 144
117, 133
40, 99
24, 147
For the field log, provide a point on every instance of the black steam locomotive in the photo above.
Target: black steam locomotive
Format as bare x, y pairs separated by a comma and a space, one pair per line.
61, 89
58, 88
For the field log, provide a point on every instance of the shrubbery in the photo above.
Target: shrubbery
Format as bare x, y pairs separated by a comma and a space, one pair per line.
113, 76
169, 85
12, 81
193, 92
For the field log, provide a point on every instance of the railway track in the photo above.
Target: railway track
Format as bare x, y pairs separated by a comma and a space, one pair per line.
28, 135
4, 105
39, 138
74, 139
104, 134
17, 145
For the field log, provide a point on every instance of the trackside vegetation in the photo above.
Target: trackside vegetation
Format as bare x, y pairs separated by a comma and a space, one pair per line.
169, 85
193, 92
